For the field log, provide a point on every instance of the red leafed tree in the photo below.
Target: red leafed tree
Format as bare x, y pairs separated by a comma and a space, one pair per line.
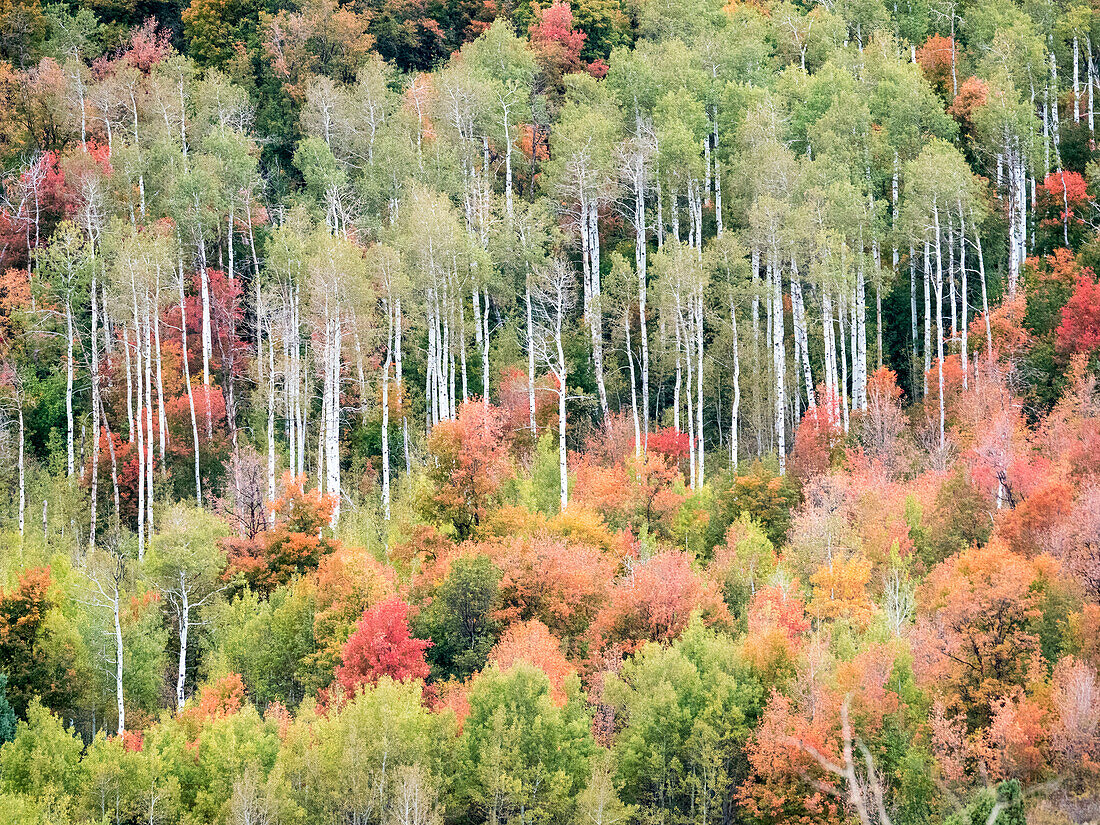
382, 645
467, 465
532, 642
561, 584
972, 95
935, 58
1080, 327
655, 601
554, 40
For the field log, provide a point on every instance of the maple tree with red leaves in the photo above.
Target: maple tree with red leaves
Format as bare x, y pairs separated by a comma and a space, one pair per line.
382, 645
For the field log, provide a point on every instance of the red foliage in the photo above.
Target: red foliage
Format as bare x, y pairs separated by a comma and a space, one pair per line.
1061, 198
149, 44
669, 442
382, 646
973, 94
554, 40
655, 601
1080, 327
468, 464
561, 584
818, 440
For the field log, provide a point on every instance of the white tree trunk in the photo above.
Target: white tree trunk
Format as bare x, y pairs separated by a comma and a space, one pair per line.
70, 455
185, 622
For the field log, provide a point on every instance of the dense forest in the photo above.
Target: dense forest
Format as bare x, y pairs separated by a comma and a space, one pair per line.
619, 412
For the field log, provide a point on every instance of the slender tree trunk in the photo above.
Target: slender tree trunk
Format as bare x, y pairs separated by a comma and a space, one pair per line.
119, 697
190, 389
736, 408
22, 474
70, 454
779, 359
93, 493
699, 381
185, 622
939, 321
207, 347
965, 344
530, 358
386, 414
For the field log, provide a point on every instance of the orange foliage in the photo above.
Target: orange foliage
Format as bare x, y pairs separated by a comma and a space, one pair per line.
840, 590
654, 601
935, 58
293, 546
561, 584
532, 642
976, 637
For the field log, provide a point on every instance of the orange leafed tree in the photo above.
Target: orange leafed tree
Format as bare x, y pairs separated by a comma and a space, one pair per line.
532, 642
293, 546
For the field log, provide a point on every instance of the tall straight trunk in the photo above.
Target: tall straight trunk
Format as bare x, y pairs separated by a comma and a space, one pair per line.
162, 419
70, 454
735, 410
207, 347
676, 385
530, 358
399, 376
190, 389
562, 376
332, 426
717, 178
939, 320
483, 322
1076, 80
640, 267
148, 359
1090, 70
844, 416
22, 474
965, 299
927, 314
828, 343
952, 296
119, 696
140, 429
386, 413
914, 348
129, 386
985, 295
270, 411
758, 413
779, 359
689, 396
799, 311
859, 355
596, 310
699, 381
633, 385
184, 627
93, 493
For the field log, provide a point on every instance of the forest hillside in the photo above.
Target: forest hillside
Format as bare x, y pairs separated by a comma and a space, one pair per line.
617, 412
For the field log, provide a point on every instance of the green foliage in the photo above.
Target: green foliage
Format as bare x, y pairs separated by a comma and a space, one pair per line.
687, 712
460, 620
519, 753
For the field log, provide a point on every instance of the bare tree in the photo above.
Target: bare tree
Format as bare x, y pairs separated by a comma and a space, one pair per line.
553, 289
